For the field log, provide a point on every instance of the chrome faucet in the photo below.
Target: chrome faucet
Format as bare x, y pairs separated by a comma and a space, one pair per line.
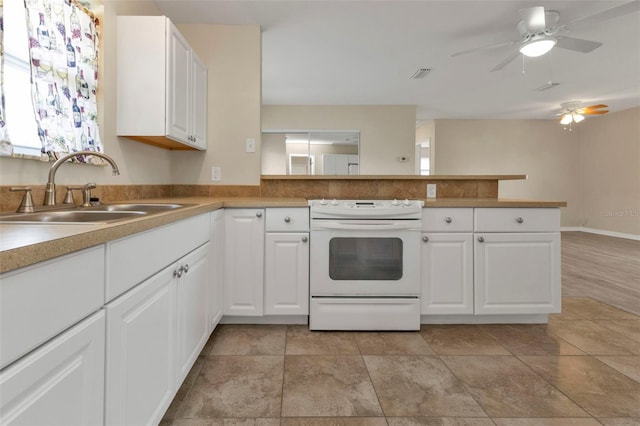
50, 189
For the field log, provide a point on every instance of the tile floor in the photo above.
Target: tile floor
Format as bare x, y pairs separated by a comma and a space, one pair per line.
581, 369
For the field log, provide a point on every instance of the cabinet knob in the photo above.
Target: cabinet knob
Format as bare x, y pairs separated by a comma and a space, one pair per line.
258, 214
519, 220
305, 239
185, 268
448, 220
425, 239
178, 272
287, 219
481, 239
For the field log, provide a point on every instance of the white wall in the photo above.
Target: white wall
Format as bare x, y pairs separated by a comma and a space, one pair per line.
541, 149
610, 171
232, 54
386, 131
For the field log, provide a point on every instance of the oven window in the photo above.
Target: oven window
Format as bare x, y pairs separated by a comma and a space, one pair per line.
378, 259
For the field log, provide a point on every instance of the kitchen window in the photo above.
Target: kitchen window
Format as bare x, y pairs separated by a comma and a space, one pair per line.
50, 63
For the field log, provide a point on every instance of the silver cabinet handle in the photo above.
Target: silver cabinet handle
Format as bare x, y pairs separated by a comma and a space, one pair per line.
481, 239
305, 239
259, 214
519, 220
425, 239
186, 268
448, 220
178, 272
287, 219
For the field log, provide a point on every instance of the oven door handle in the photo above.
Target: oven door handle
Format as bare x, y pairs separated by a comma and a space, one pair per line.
366, 225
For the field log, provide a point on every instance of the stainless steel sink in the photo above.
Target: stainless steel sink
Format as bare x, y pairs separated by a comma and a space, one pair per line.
105, 213
70, 216
140, 207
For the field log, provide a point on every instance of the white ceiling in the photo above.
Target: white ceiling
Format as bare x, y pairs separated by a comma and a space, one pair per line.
340, 52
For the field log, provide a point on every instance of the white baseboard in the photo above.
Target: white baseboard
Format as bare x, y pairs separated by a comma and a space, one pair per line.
485, 319
601, 232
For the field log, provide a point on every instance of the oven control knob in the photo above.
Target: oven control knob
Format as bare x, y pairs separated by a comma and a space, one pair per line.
323, 202
406, 202
395, 202
334, 202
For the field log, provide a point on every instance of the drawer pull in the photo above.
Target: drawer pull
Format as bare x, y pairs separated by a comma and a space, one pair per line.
481, 239
259, 214
448, 220
425, 239
519, 220
305, 239
287, 219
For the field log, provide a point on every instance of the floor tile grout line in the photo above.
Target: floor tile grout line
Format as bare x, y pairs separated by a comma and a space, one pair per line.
555, 387
284, 369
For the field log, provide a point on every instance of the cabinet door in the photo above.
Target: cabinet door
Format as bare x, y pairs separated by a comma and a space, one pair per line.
199, 103
447, 273
193, 308
286, 274
178, 85
517, 273
61, 383
244, 262
141, 347
216, 268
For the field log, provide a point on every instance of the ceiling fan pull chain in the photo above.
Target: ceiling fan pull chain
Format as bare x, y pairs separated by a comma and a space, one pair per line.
523, 71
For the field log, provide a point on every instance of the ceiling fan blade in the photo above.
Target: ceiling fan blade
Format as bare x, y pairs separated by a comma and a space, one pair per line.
599, 106
506, 61
480, 49
533, 18
587, 112
577, 44
624, 9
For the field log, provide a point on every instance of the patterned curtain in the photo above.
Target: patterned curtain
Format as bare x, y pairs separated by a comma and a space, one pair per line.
63, 48
3, 125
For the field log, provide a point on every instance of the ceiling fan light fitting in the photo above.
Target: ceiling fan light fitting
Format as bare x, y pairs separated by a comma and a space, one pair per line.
537, 47
577, 117
566, 119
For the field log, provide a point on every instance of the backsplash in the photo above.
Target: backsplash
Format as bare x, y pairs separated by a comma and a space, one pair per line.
362, 188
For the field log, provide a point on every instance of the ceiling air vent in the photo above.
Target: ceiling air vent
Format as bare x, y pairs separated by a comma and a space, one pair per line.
547, 85
421, 73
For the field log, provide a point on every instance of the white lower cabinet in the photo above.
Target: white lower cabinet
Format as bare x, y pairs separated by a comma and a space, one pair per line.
216, 268
517, 273
244, 262
141, 347
60, 383
192, 309
447, 273
286, 273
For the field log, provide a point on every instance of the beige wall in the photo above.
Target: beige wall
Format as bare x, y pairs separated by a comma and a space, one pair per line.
386, 131
540, 149
610, 172
232, 55
274, 154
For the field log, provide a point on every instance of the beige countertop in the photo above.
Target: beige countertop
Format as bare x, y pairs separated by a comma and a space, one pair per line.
25, 244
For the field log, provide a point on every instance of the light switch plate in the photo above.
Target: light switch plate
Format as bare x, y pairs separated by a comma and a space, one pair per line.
431, 190
215, 174
251, 145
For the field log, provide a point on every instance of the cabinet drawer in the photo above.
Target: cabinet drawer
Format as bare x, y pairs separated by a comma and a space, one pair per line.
40, 301
435, 219
287, 219
517, 220
131, 260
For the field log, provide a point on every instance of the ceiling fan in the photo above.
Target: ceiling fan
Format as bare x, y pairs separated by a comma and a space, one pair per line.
573, 112
540, 32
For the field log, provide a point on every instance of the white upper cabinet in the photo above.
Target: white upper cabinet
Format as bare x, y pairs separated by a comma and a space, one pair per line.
162, 85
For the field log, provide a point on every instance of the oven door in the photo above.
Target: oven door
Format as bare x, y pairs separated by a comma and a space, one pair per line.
365, 258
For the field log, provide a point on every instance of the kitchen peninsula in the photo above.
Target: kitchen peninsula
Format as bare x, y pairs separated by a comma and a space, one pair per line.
143, 295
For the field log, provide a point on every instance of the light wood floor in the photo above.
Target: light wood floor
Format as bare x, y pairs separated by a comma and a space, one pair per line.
603, 268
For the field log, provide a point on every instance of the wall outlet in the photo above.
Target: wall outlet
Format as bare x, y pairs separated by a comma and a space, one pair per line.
250, 145
216, 174
431, 190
